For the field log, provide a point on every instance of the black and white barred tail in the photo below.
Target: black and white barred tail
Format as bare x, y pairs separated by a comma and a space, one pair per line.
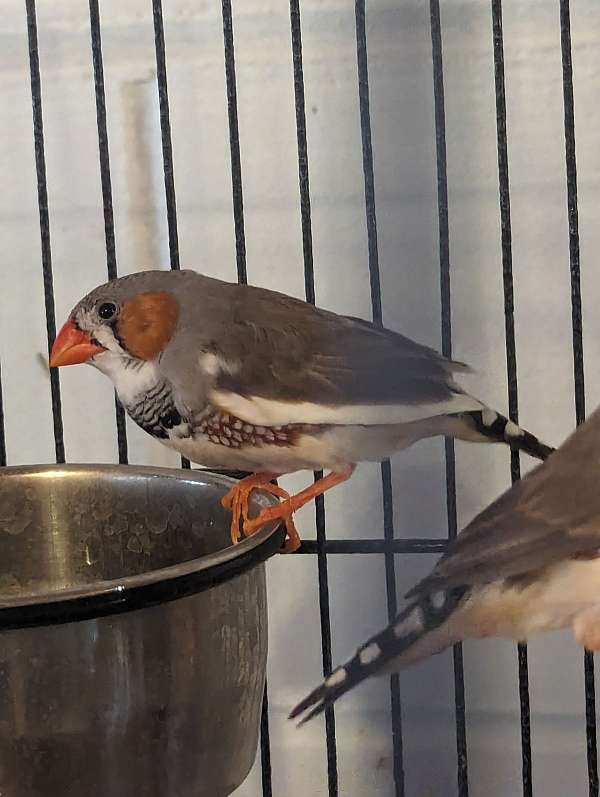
417, 622
496, 428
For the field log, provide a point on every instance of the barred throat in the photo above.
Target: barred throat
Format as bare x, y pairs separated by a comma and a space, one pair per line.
156, 413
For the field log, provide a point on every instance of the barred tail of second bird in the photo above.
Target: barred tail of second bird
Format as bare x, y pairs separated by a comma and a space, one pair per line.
415, 634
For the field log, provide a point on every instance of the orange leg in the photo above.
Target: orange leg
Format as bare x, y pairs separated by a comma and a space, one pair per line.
288, 506
237, 498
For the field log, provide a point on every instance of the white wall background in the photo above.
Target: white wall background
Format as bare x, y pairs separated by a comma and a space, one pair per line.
406, 196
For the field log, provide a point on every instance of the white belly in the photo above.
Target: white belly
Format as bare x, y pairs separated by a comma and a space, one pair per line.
551, 603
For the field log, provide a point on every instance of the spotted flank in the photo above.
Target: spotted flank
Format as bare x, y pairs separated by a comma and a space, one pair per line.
225, 429
411, 625
495, 427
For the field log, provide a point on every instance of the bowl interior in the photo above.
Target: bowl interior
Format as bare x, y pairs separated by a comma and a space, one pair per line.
64, 527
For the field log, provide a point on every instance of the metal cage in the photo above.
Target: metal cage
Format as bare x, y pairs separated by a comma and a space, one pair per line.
321, 547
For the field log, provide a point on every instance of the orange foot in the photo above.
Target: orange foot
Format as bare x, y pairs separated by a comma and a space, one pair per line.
285, 509
237, 500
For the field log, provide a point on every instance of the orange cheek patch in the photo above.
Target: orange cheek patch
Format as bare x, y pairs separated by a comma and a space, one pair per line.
147, 323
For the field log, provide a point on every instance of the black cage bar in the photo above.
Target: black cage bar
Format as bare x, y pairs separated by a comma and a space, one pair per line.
42, 190
578, 372
109, 221
511, 348
446, 310
2, 437
309, 288
375, 283
387, 546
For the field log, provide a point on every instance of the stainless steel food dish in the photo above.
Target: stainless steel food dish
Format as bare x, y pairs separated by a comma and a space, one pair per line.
133, 636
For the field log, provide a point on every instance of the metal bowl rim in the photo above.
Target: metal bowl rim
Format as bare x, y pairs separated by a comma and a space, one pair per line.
108, 596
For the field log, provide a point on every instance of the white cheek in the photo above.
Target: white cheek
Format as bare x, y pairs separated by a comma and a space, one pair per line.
106, 338
104, 361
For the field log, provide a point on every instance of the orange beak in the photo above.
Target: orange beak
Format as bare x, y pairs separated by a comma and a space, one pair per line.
72, 346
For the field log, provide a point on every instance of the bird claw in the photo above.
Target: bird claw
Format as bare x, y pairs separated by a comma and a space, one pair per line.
237, 500
283, 512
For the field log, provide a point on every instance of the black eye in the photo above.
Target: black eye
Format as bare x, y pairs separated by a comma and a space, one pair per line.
107, 310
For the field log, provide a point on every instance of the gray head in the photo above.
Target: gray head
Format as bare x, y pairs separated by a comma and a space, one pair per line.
131, 318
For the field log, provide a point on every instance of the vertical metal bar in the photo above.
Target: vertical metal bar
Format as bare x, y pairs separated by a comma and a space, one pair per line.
234, 143
109, 224
375, 282
573, 216
309, 283
167, 145
303, 177
2, 435
578, 364
40, 166
511, 353
392, 610
165, 128
367, 148
265, 746
446, 307
324, 604
240, 248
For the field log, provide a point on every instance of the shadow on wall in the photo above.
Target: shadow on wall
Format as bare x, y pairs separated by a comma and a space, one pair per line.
143, 177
